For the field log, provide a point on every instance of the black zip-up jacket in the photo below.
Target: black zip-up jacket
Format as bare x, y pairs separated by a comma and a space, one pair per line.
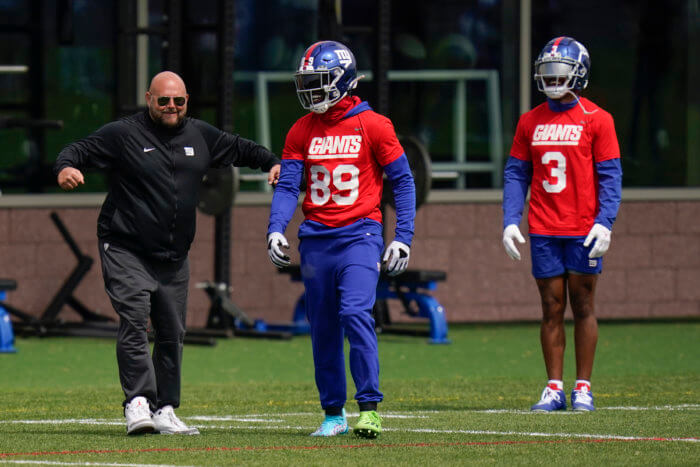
156, 174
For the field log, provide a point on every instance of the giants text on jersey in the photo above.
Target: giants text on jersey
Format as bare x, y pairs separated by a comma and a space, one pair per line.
343, 164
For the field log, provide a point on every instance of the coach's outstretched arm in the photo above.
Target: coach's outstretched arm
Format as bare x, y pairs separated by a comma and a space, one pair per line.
94, 151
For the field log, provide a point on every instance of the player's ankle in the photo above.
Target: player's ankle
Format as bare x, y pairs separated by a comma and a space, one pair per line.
367, 406
334, 411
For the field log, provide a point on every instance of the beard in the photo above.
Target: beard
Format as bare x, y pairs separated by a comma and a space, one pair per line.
166, 120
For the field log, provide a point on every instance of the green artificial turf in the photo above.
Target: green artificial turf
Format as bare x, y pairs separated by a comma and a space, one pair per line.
255, 402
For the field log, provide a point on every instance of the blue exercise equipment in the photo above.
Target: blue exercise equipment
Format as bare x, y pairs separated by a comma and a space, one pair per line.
412, 288
7, 337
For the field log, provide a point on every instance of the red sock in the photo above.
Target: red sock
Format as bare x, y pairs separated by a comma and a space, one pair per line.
582, 384
555, 384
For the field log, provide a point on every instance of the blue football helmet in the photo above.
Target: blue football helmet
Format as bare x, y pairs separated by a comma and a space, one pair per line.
562, 67
326, 74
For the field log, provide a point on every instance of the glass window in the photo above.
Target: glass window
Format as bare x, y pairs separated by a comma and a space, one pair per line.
454, 76
640, 73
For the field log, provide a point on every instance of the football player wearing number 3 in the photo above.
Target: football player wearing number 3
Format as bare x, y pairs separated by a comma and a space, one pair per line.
344, 148
567, 152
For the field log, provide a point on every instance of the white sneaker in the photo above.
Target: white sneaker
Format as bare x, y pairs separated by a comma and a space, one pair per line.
138, 416
167, 423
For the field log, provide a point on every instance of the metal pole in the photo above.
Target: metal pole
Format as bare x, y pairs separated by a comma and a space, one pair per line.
525, 57
383, 57
174, 52
35, 136
125, 45
141, 53
495, 130
222, 222
263, 117
460, 128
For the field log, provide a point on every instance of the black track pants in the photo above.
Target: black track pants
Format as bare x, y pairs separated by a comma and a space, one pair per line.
140, 288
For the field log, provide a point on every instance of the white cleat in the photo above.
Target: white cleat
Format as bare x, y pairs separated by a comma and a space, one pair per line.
138, 416
167, 423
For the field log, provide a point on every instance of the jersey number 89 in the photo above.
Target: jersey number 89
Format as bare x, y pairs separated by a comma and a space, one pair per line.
345, 178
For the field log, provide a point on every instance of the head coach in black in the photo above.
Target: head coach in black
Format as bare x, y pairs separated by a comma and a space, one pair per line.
157, 159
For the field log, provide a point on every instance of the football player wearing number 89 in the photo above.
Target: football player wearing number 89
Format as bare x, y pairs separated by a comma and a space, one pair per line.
344, 148
567, 152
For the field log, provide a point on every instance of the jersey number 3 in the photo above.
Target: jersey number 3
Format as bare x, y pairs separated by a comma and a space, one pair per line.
345, 179
557, 172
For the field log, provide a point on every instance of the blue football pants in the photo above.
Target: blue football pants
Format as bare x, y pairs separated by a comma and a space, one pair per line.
340, 279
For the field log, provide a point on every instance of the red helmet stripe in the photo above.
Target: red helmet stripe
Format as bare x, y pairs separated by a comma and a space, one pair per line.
556, 43
309, 51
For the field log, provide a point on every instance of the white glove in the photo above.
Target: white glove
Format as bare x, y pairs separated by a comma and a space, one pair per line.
510, 233
396, 255
275, 243
601, 235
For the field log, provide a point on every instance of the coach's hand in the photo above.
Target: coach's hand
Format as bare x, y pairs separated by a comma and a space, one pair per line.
273, 176
396, 258
69, 178
275, 243
601, 235
510, 233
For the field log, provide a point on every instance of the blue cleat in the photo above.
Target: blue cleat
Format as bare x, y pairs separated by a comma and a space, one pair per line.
551, 400
582, 399
333, 425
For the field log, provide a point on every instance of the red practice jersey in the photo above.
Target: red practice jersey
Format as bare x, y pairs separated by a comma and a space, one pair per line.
563, 148
343, 163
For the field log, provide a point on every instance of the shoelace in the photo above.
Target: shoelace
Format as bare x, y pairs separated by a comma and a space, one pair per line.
373, 418
141, 410
173, 418
549, 394
583, 397
331, 424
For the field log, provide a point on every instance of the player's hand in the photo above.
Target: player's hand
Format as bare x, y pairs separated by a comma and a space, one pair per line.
273, 176
601, 235
275, 243
510, 233
69, 178
396, 258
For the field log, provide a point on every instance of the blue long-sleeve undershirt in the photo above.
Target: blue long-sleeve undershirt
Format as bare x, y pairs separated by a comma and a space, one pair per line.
404, 189
517, 176
286, 195
609, 191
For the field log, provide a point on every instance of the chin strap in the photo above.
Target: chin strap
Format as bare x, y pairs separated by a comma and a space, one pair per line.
578, 101
353, 83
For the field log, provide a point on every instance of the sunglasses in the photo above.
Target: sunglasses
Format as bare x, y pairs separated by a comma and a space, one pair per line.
165, 100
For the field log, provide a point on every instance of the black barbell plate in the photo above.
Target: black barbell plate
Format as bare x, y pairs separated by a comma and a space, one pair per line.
419, 161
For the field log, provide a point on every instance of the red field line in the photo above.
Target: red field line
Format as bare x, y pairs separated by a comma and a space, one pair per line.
340, 446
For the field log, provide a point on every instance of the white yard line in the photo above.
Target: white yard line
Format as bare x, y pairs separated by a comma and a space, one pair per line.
38, 462
69, 421
274, 421
538, 434
658, 407
278, 417
261, 417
